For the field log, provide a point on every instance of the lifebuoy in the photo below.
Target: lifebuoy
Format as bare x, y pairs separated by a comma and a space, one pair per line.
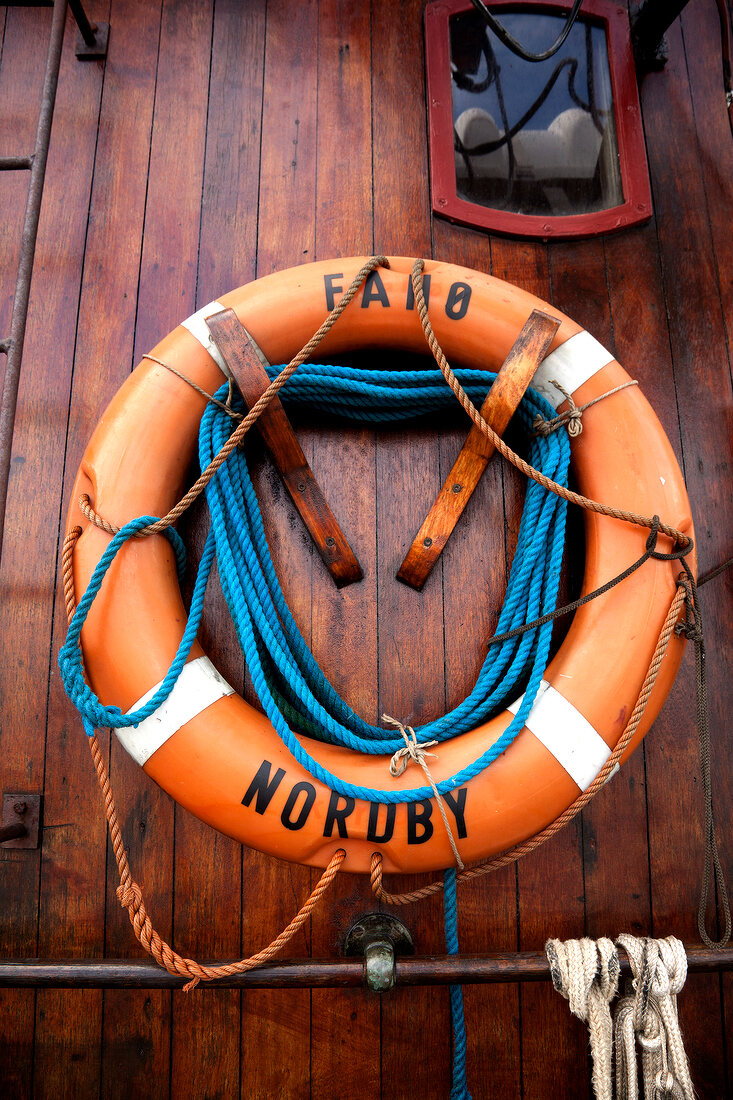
219, 757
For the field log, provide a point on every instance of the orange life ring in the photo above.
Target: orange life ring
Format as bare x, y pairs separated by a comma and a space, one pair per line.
219, 757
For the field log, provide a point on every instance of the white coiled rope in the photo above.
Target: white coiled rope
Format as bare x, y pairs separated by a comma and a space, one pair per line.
649, 1014
586, 973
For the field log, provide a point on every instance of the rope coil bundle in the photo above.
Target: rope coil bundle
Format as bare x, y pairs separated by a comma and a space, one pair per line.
586, 972
286, 677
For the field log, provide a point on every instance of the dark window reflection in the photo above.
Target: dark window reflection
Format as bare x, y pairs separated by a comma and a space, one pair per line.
533, 138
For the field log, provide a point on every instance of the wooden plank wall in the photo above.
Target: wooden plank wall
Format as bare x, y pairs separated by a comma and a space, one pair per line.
222, 141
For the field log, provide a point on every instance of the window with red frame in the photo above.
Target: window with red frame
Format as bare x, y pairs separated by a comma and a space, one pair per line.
544, 149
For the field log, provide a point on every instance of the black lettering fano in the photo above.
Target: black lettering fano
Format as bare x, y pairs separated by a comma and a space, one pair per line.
331, 290
410, 303
374, 291
386, 835
418, 818
262, 787
456, 305
310, 796
337, 815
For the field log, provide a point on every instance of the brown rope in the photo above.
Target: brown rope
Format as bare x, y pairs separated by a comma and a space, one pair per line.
713, 573
67, 558
252, 416
195, 386
713, 872
129, 893
503, 448
575, 807
650, 552
573, 415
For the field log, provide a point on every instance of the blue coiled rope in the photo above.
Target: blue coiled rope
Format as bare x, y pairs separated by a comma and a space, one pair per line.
292, 688
289, 683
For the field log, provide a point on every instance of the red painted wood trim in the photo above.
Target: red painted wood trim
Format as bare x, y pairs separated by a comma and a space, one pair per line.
637, 206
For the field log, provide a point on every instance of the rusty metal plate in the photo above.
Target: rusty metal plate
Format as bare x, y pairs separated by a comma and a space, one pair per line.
21, 810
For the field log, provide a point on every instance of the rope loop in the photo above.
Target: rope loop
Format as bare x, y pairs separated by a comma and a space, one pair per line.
651, 542
683, 546
572, 418
585, 972
573, 415
649, 1014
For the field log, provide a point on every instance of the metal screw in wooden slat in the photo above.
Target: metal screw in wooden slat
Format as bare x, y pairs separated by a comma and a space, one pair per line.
497, 410
245, 361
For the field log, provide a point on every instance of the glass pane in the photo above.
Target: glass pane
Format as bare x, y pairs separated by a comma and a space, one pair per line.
533, 137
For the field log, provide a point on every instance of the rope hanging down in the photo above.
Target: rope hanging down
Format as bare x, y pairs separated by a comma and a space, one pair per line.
649, 1014
586, 973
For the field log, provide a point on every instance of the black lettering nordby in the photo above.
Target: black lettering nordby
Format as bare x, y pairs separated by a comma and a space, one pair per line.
262, 788
310, 796
336, 815
456, 803
456, 305
410, 303
331, 290
418, 818
372, 829
374, 291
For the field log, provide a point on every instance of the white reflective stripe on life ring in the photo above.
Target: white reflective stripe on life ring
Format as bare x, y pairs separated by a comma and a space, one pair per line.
198, 686
572, 364
565, 733
196, 325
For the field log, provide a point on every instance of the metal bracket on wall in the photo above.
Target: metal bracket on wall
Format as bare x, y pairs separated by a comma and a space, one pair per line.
21, 820
378, 938
649, 22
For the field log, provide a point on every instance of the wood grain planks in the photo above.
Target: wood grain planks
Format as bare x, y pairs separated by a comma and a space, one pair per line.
345, 1028
31, 535
138, 1029
212, 894
687, 243
270, 136
103, 354
272, 892
21, 79
411, 651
